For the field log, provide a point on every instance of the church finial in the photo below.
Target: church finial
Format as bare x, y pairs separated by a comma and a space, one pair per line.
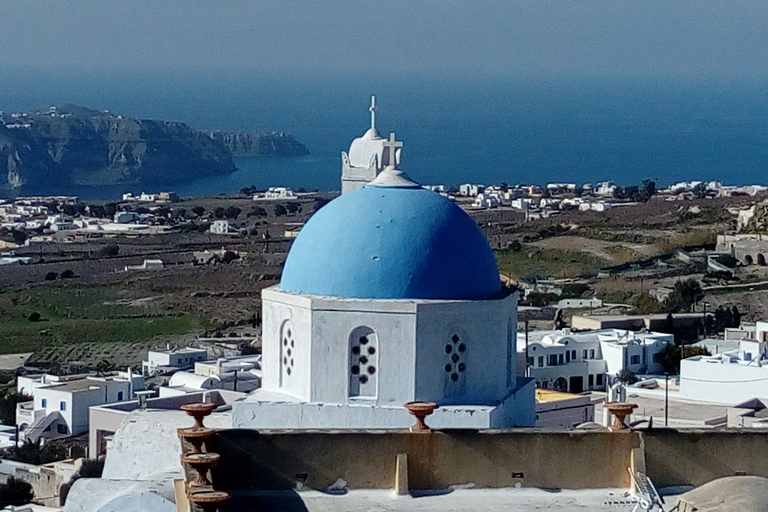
373, 112
392, 145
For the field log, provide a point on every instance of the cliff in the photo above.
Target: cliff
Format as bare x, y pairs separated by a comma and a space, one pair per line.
260, 143
69, 145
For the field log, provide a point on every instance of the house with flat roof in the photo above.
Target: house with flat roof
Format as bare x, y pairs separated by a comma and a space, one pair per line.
60, 405
179, 358
581, 361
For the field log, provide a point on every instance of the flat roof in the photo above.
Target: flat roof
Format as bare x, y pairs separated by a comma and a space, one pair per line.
78, 385
182, 350
548, 395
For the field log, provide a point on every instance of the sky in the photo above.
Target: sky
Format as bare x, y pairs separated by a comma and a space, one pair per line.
460, 38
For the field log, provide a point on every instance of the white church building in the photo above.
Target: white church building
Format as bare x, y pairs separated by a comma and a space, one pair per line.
389, 294
368, 155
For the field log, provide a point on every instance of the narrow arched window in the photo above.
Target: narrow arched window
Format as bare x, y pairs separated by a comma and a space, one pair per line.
287, 353
363, 362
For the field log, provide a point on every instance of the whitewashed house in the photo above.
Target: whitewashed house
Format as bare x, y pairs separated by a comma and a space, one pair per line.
60, 404
730, 377
279, 193
484, 200
126, 217
219, 227
579, 361
470, 190
180, 358
605, 188
579, 303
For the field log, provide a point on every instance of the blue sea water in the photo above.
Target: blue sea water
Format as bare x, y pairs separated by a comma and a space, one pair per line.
455, 129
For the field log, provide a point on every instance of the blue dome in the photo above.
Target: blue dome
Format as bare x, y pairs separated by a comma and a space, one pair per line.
391, 243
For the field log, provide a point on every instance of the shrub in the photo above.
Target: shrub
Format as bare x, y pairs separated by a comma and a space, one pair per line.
626, 376
15, 492
51, 276
34, 316
109, 250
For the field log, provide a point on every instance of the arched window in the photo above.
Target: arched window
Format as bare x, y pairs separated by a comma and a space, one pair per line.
363, 363
287, 352
748, 259
455, 367
761, 259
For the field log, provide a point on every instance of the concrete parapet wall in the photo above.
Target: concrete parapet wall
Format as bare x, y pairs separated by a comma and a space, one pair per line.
254, 461
438, 460
695, 457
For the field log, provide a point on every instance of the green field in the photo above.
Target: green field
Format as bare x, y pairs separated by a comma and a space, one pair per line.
79, 319
533, 262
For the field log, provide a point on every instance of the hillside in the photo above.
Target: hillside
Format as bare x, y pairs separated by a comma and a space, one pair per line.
74, 145
260, 143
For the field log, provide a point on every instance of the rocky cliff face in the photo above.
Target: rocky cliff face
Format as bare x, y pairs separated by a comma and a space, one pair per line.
260, 143
73, 145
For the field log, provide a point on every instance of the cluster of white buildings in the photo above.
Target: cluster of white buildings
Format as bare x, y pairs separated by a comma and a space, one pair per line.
553, 197
276, 193
162, 197
33, 215
60, 404
562, 196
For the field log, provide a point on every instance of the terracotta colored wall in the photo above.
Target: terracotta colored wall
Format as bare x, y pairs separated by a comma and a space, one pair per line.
696, 457
438, 460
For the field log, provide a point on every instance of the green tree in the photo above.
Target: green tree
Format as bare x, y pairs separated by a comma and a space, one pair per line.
96, 210
280, 210
15, 492
232, 212
90, 468
104, 366
683, 296
111, 249
8, 406
198, 210
626, 376
110, 209
293, 207
18, 237
34, 453
673, 354
257, 211
646, 304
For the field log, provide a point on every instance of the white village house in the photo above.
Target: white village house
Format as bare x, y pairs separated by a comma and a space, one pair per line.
580, 361
173, 358
730, 377
60, 404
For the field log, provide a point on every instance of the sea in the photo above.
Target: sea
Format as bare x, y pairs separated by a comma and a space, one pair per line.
456, 129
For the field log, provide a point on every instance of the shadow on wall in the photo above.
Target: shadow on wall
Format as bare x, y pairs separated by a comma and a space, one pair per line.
337, 461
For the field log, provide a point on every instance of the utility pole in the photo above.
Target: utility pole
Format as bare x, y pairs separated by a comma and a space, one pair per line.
527, 366
666, 399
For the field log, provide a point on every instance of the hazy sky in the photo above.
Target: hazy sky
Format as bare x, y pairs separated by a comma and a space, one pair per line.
590, 37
